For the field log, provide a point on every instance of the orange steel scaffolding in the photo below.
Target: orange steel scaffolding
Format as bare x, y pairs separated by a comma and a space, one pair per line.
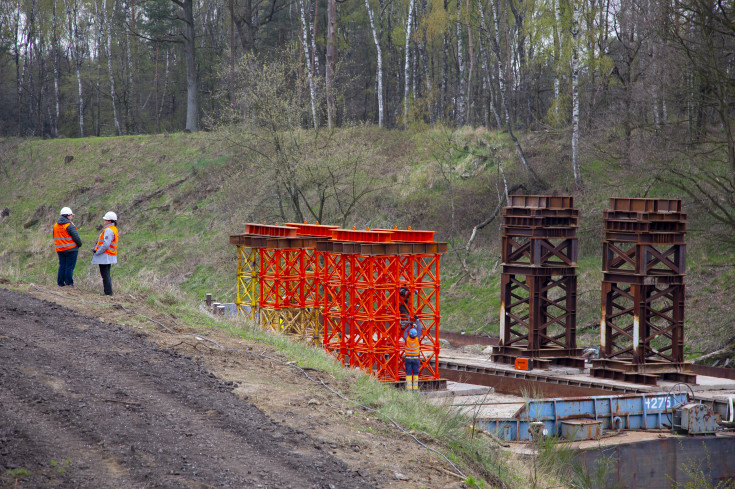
418, 271
361, 321
311, 290
343, 286
362, 276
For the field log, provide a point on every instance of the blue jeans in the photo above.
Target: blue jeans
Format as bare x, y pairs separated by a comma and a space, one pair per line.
67, 262
412, 366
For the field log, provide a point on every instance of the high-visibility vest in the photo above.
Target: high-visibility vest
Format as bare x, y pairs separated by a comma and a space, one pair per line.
112, 250
412, 347
62, 238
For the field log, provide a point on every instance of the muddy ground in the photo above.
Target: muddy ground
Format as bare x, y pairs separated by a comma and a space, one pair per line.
94, 396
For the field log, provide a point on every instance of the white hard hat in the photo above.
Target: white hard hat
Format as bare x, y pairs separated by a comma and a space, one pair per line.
110, 216
65, 211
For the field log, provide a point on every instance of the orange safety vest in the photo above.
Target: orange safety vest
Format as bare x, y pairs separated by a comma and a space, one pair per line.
412, 347
62, 238
112, 250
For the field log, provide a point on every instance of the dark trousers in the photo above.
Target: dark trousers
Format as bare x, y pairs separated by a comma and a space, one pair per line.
412, 366
106, 278
67, 262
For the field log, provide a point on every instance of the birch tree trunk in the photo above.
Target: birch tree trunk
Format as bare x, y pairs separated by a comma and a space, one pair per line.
331, 55
305, 43
165, 84
55, 47
444, 100
462, 84
471, 52
98, 51
130, 95
108, 48
379, 73
575, 96
192, 87
557, 52
73, 32
486, 63
19, 71
314, 53
407, 72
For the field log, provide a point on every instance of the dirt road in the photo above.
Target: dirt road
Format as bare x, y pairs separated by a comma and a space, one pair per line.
92, 404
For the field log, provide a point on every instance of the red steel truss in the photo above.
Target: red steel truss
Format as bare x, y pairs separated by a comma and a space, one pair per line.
539, 282
363, 272
344, 285
642, 319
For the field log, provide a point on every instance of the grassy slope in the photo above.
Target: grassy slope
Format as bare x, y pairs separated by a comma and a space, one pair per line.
179, 196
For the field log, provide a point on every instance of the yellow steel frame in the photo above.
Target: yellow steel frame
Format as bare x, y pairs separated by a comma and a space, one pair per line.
302, 324
247, 281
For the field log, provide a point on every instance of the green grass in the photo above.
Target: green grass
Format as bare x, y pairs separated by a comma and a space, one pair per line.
179, 237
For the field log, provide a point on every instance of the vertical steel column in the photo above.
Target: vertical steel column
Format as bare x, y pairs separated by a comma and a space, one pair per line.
247, 281
311, 291
334, 303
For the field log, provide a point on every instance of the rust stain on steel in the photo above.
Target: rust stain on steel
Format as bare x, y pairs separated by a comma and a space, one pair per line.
722, 373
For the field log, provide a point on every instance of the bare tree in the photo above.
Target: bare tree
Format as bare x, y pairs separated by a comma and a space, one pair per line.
407, 64
75, 32
379, 71
331, 58
108, 52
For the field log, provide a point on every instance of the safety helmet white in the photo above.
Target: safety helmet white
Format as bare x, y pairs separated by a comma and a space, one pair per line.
110, 216
65, 211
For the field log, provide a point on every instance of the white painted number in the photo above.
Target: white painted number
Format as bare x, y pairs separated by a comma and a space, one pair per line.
658, 403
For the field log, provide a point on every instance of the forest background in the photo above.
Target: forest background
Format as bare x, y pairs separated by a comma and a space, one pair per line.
375, 113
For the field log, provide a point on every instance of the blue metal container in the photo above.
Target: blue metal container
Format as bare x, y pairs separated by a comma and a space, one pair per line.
627, 411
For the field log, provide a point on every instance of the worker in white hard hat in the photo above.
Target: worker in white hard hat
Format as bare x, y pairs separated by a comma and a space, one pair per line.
67, 243
105, 253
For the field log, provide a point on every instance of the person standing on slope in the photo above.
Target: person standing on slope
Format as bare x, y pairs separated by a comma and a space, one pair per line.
412, 338
105, 253
67, 243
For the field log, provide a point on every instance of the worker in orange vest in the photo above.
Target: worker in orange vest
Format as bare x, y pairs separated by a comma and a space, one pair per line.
412, 338
412, 361
67, 243
105, 253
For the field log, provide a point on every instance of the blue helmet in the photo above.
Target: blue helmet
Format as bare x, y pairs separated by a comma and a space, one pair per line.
413, 333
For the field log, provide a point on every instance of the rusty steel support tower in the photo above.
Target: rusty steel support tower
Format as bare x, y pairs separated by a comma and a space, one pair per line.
642, 317
539, 282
